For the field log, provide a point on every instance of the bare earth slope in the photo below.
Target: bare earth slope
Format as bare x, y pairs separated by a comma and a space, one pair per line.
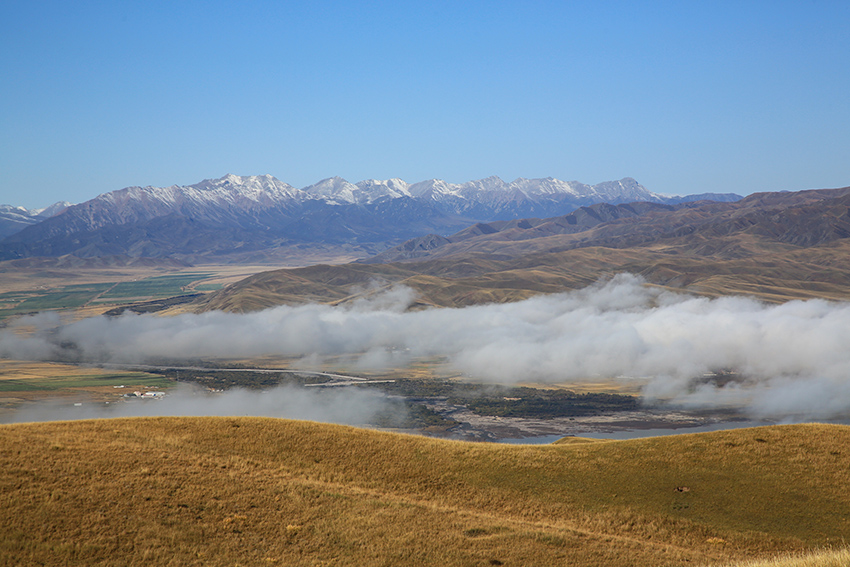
221, 491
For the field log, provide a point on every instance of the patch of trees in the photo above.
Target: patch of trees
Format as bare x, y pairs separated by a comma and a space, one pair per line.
226, 379
154, 306
530, 402
414, 394
503, 401
407, 414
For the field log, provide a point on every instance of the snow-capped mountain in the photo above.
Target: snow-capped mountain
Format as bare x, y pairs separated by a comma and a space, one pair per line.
234, 214
14, 219
483, 192
495, 199
230, 198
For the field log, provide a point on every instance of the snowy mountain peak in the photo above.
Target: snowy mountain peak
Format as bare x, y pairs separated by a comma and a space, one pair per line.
251, 213
333, 190
266, 190
626, 189
245, 185
14, 219
15, 210
432, 189
373, 189
490, 183
52, 210
231, 179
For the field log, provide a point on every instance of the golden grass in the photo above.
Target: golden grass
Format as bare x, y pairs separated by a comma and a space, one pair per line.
829, 558
251, 491
515, 271
26, 370
740, 265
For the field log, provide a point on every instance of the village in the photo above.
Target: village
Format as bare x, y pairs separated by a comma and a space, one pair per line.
139, 395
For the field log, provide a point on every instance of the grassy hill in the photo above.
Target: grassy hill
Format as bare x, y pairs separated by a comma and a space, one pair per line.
823, 558
256, 491
774, 246
773, 276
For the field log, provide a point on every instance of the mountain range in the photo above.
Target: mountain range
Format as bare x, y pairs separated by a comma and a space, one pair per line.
14, 219
804, 219
774, 246
254, 218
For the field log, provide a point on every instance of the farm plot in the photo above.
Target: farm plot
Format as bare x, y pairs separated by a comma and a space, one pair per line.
155, 287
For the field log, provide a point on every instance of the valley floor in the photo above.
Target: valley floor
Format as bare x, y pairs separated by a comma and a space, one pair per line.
619, 425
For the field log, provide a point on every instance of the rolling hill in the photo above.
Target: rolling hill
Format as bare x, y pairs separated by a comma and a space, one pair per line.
774, 246
802, 219
222, 491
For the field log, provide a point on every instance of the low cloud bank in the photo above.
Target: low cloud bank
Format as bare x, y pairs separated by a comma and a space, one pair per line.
349, 406
789, 361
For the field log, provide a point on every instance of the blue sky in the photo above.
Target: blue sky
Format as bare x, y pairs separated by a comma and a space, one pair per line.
686, 97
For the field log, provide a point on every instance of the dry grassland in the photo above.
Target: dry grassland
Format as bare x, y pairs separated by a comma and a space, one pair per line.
830, 558
84, 291
527, 268
258, 491
54, 274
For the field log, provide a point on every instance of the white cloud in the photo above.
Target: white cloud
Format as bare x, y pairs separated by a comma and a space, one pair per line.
792, 360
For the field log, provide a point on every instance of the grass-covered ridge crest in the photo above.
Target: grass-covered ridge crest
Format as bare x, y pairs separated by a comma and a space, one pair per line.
252, 490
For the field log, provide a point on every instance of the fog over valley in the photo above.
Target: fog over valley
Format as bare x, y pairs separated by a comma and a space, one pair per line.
786, 362
350, 406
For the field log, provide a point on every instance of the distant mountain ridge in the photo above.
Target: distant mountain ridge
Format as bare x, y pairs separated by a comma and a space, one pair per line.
802, 219
14, 219
580, 220
773, 246
235, 216
496, 199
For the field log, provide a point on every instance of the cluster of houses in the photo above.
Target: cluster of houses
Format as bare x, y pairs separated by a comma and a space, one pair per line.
141, 395
145, 395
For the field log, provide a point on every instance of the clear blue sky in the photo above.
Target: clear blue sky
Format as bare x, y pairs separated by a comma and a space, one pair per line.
686, 97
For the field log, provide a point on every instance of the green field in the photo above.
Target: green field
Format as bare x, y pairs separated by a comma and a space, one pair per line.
67, 297
159, 286
209, 287
76, 296
84, 381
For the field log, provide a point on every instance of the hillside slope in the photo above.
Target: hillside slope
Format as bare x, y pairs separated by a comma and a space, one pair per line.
220, 491
774, 246
770, 220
